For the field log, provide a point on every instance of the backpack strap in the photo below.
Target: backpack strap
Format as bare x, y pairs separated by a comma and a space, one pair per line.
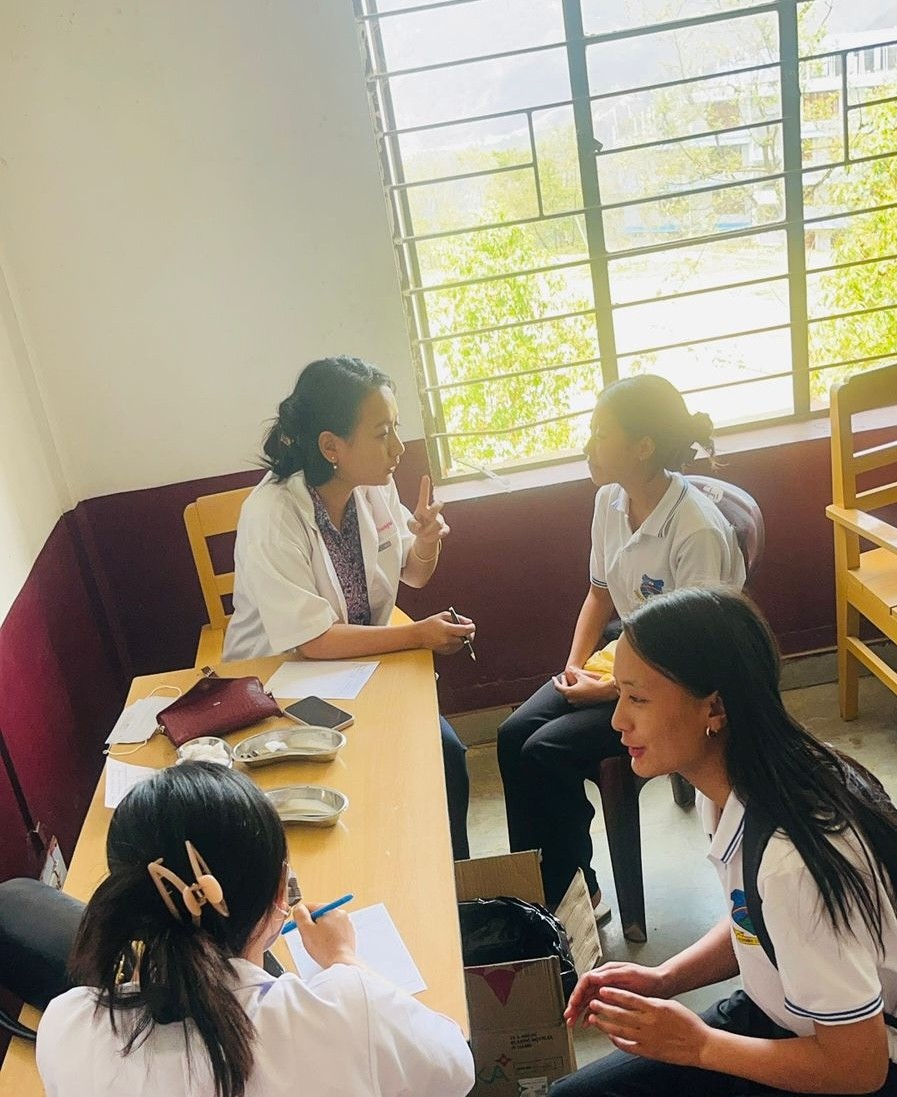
757, 832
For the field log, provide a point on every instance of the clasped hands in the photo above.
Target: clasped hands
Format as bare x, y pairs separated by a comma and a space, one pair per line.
584, 687
628, 1002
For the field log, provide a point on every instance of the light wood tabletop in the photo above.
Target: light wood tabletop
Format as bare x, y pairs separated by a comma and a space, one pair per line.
391, 845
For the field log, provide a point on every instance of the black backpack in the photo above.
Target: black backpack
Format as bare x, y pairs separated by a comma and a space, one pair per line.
882, 834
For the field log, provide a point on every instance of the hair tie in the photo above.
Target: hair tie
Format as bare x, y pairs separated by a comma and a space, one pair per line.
285, 439
194, 896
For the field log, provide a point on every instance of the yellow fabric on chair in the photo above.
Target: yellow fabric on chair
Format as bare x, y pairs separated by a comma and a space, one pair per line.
602, 661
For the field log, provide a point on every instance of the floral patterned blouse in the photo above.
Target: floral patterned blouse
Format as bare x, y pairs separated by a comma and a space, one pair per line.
344, 548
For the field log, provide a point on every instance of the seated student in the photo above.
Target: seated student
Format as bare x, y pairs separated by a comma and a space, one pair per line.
174, 999
651, 532
323, 541
698, 674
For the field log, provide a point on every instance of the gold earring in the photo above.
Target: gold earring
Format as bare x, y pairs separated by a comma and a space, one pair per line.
710, 732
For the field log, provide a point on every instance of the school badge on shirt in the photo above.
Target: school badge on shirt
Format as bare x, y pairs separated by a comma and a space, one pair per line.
743, 927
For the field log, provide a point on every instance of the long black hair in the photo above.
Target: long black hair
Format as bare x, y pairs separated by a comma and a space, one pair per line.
183, 971
716, 640
646, 405
327, 396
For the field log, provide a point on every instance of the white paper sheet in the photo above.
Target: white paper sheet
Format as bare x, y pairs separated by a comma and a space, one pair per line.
334, 681
121, 776
378, 946
139, 720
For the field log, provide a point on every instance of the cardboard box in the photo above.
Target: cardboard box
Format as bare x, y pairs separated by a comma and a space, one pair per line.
517, 1032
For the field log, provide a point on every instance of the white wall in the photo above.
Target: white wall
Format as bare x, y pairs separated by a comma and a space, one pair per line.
32, 490
190, 208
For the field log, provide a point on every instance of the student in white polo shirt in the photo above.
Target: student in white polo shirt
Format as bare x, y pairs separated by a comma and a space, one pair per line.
323, 542
698, 675
652, 532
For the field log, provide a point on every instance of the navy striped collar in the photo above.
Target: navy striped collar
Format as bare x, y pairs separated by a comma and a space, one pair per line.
726, 828
658, 522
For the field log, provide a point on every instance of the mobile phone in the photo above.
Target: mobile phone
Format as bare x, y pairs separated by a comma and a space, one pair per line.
312, 710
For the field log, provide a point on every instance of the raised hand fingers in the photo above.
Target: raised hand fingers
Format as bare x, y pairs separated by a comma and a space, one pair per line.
423, 499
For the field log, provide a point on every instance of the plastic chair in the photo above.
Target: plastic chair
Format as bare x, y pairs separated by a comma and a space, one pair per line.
618, 785
865, 582
210, 516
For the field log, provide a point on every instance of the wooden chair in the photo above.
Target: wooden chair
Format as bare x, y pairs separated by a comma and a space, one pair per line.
865, 581
618, 785
210, 516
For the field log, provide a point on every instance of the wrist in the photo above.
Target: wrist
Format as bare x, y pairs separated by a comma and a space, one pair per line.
666, 975
430, 552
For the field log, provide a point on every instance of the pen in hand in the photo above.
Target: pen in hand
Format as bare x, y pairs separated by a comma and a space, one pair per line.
466, 642
320, 912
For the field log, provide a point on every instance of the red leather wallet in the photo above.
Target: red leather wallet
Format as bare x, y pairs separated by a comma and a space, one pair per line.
215, 706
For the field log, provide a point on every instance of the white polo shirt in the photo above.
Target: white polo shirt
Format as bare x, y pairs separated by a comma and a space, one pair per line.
344, 1031
684, 542
286, 589
823, 977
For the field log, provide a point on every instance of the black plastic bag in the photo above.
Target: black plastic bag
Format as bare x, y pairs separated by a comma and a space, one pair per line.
502, 930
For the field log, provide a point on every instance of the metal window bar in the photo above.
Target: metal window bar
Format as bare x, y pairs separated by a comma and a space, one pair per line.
682, 139
407, 241
377, 15
853, 361
459, 177
493, 377
527, 322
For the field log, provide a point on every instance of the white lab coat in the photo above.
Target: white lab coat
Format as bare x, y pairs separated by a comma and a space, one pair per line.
344, 1032
286, 591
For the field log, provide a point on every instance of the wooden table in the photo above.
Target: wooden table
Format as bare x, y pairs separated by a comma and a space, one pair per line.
391, 845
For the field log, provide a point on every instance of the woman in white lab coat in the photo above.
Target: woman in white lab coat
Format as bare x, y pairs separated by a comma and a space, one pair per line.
174, 998
324, 540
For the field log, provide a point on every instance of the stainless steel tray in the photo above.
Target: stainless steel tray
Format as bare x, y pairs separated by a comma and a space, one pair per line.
311, 805
312, 744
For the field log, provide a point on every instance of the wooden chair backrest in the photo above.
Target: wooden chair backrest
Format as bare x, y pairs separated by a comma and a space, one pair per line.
864, 392
209, 516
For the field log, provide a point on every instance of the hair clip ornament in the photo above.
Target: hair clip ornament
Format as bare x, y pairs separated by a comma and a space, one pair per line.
194, 896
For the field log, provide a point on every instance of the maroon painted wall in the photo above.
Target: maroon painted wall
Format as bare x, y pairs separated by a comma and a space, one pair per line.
61, 687
516, 562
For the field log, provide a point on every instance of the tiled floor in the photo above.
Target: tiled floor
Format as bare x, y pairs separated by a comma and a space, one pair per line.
682, 893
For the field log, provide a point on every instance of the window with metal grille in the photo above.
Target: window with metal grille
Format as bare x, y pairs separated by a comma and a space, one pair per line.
581, 190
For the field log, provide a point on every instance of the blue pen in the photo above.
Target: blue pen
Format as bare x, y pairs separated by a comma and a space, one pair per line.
321, 911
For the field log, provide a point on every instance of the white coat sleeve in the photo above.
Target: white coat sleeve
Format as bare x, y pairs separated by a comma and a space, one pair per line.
280, 582
401, 516
415, 1052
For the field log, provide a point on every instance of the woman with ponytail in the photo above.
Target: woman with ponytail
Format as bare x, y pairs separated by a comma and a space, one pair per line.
173, 998
698, 679
652, 532
323, 542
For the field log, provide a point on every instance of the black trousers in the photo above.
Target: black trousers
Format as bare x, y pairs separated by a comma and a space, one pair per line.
622, 1075
546, 750
457, 787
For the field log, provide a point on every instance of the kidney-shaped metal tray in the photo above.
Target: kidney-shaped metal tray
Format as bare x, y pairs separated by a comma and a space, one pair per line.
313, 805
311, 744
